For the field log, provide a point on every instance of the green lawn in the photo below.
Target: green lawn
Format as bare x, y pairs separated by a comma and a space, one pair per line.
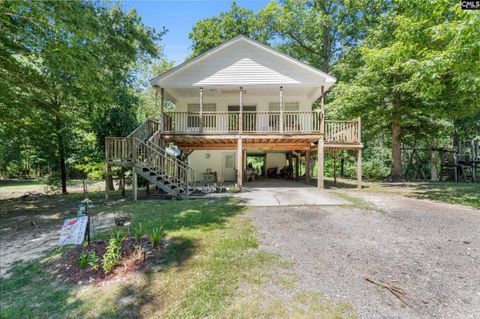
450, 192
212, 268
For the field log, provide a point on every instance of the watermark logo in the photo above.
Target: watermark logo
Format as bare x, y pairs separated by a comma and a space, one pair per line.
470, 4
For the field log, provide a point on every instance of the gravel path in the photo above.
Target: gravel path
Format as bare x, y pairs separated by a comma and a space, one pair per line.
430, 249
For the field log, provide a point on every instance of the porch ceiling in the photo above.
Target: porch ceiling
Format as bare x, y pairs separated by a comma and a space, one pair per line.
251, 142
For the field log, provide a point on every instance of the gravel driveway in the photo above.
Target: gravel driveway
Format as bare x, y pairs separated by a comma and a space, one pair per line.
430, 249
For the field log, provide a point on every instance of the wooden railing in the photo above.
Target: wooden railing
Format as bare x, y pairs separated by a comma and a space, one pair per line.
168, 167
342, 131
138, 153
252, 122
145, 130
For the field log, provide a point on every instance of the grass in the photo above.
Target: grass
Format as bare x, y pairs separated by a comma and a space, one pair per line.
450, 192
212, 267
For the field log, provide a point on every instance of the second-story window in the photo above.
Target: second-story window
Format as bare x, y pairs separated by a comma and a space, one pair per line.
291, 106
193, 119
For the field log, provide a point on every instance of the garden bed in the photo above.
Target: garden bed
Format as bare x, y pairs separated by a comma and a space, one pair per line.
87, 263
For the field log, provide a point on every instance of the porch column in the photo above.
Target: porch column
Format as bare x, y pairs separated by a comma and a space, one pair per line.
244, 161
320, 162
239, 162
281, 109
162, 107
322, 111
162, 119
334, 167
201, 110
307, 167
240, 115
297, 159
135, 185
359, 168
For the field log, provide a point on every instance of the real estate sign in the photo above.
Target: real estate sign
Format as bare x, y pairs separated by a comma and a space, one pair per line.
73, 231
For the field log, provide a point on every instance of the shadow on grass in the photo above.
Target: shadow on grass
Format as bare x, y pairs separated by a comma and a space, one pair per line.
455, 193
32, 292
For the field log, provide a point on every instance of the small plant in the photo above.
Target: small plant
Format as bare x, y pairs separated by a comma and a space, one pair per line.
93, 260
113, 252
156, 235
139, 232
83, 260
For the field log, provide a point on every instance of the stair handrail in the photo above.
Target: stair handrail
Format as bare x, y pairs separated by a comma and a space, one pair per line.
184, 180
144, 130
151, 141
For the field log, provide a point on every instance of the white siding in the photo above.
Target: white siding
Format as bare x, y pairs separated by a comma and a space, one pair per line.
242, 64
276, 160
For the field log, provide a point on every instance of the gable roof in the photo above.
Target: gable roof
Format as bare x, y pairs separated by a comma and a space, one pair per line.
162, 80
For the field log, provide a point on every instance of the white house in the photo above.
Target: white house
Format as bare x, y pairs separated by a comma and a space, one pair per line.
242, 98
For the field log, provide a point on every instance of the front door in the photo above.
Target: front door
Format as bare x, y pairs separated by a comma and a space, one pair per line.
249, 118
228, 167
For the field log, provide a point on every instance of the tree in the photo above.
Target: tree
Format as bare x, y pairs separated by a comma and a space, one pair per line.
65, 62
210, 32
419, 71
320, 31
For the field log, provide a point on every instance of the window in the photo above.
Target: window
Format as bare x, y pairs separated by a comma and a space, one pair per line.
275, 106
193, 120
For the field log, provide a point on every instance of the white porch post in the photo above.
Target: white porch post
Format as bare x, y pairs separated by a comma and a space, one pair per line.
359, 168
162, 108
320, 163
240, 115
239, 162
322, 111
135, 185
201, 110
281, 109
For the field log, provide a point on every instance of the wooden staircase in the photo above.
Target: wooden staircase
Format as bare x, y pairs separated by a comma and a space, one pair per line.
141, 150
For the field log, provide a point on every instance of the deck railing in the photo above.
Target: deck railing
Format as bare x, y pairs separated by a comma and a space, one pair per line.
342, 131
252, 122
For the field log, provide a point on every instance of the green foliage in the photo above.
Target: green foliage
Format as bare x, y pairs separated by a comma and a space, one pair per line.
93, 260
139, 232
113, 252
83, 260
210, 32
157, 235
63, 67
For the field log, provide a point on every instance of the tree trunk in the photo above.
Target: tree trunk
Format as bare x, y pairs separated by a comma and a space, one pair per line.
109, 180
61, 154
396, 168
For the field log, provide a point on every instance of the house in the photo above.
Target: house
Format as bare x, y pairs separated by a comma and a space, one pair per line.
239, 99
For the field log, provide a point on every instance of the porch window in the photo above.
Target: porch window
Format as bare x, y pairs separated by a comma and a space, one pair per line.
193, 120
290, 121
275, 106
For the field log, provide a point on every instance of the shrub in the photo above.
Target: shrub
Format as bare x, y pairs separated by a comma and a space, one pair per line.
113, 252
93, 260
139, 232
157, 235
83, 260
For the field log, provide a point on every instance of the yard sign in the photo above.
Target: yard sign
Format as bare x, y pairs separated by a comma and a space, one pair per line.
73, 231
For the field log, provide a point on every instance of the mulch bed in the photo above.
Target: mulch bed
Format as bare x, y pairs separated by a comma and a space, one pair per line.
132, 260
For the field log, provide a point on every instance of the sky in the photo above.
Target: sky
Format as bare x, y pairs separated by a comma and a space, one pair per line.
179, 17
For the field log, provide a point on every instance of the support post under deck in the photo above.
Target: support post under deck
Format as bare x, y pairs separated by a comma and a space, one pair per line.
359, 168
135, 185
239, 163
307, 167
321, 149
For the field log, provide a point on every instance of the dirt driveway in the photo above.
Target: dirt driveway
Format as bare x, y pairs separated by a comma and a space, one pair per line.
430, 249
